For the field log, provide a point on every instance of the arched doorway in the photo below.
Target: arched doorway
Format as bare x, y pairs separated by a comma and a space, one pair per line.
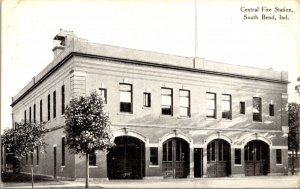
126, 160
218, 158
176, 158
256, 158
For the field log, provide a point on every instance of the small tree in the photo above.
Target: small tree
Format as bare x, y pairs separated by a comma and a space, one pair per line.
7, 141
293, 137
24, 139
87, 127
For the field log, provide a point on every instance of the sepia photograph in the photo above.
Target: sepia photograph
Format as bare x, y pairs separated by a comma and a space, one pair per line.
150, 94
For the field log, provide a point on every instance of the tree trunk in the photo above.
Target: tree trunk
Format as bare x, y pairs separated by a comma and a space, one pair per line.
31, 176
87, 171
293, 166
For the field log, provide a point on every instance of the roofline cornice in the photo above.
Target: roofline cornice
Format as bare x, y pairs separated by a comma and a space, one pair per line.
144, 63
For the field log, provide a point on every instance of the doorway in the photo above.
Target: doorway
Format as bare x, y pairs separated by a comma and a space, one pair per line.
257, 155
218, 158
198, 162
126, 160
176, 158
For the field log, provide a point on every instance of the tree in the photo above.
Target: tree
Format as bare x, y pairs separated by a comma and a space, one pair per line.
7, 141
23, 139
87, 127
293, 137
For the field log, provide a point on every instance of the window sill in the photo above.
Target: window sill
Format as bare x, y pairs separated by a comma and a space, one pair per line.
210, 119
226, 120
279, 164
257, 121
166, 116
238, 165
184, 117
62, 166
93, 166
153, 165
125, 114
146, 108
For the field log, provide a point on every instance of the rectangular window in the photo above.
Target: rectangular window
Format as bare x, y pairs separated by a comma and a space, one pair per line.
41, 110
26, 158
257, 109
37, 155
147, 100
237, 156
242, 108
278, 156
63, 149
31, 158
153, 156
25, 116
103, 94
29, 114
184, 103
34, 113
54, 104
126, 98
49, 107
226, 106
16, 126
211, 105
166, 101
271, 109
62, 100
92, 159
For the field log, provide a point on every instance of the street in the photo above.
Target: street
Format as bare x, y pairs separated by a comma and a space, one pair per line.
224, 182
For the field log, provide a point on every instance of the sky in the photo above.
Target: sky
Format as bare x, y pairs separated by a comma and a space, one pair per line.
223, 35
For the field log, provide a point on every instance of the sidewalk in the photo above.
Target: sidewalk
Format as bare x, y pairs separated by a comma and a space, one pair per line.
224, 182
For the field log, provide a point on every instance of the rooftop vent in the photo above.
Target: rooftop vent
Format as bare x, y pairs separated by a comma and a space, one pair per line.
61, 40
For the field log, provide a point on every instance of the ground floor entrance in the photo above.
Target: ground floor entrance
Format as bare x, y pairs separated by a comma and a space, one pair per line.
175, 161
126, 160
256, 158
218, 158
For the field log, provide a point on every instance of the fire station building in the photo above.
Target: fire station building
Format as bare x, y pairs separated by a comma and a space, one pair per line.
172, 116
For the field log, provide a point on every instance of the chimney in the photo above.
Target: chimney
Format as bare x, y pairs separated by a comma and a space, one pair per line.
61, 41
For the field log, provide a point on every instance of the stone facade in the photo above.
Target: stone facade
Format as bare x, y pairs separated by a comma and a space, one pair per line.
81, 66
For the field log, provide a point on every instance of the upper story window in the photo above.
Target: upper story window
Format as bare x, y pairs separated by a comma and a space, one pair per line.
257, 109
271, 109
54, 104
25, 116
103, 94
34, 113
49, 107
62, 99
226, 106
166, 101
242, 108
147, 100
41, 110
29, 114
184, 103
126, 98
211, 105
